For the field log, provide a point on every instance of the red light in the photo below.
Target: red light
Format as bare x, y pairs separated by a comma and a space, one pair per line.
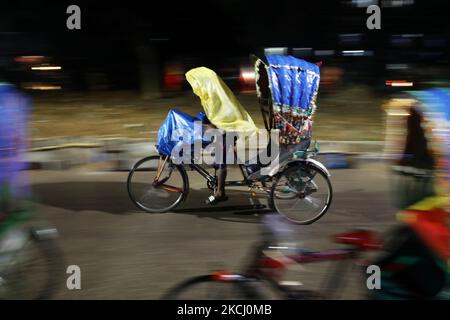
399, 83
247, 79
29, 59
173, 81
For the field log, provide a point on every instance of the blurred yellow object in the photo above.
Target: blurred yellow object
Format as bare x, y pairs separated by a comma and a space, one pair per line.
220, 105
427, 204
431, 203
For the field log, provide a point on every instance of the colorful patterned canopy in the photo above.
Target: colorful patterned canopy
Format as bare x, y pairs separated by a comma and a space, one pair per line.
294, 84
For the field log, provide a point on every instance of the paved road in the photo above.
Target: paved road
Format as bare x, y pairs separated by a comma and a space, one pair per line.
127, 254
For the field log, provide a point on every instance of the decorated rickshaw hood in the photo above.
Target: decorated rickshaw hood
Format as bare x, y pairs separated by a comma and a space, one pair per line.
294, 83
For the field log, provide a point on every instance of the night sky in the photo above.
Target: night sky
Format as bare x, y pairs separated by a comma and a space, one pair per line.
218, 24
218, 29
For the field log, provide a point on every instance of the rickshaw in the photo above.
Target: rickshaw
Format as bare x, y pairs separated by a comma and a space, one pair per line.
298, 186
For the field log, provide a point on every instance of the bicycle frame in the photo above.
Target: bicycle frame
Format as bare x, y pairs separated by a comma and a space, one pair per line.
327, 255
236, 183
298, 157
331, 282
263, 269
258, 180
209, 177
262, 266
269, 269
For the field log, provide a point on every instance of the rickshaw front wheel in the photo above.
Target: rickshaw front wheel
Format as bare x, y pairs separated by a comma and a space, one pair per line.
155, 184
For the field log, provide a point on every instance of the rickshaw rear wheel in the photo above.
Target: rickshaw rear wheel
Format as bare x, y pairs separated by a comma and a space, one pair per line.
301, 193
157, 195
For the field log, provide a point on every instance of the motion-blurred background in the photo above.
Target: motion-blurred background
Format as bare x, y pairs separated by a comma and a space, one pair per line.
127, 54
99, 95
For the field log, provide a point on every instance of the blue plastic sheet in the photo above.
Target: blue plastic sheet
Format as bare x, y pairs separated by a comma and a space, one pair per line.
168, 138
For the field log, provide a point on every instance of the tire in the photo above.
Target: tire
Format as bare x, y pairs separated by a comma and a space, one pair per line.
241, 288
300, 185
23, 281
150, 198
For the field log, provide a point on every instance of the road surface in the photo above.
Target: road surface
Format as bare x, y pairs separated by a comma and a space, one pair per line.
124, 253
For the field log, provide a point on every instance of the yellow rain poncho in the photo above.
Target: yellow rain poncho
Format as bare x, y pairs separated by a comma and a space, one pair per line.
220, 105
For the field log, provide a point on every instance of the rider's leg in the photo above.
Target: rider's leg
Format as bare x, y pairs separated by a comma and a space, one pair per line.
221, 169
221, 177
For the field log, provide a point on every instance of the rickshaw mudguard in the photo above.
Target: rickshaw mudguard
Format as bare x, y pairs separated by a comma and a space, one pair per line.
312, 162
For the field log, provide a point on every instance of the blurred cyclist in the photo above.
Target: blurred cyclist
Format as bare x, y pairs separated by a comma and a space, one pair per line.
416, 263
13, 123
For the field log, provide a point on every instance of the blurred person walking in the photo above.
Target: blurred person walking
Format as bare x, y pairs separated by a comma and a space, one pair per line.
31, 263
14, 109
416, 262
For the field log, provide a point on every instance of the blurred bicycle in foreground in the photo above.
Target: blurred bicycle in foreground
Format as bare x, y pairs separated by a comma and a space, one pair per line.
262, 276
31, 264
